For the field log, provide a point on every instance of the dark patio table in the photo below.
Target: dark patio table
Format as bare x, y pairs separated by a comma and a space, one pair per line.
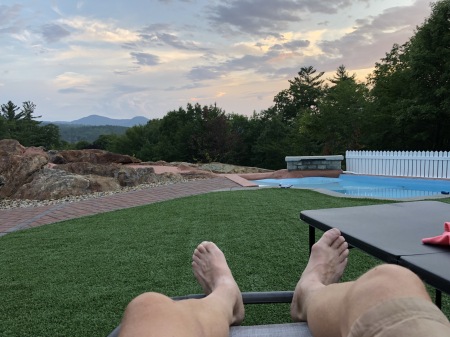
393, 233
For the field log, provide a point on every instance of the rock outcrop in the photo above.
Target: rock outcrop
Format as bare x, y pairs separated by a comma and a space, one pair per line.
18, 165
55, 184
90, 156
125, 176
32, 173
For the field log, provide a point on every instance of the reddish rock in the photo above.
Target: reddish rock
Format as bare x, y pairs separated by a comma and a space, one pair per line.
92, 156
17, 166
31, 173
11, 146
85, 168
125, 175
55, 184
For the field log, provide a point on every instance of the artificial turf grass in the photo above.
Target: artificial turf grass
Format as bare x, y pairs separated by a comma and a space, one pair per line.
76, 277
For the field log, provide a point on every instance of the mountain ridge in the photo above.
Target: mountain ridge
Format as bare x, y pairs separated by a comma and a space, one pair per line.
97, 120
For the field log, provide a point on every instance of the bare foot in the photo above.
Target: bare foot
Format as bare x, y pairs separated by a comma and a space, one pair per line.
325, 266
212, 272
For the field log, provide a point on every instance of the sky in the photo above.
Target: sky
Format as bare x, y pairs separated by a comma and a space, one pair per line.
121, 59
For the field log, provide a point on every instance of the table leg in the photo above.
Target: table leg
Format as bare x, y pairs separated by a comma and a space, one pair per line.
312, 237
438, 298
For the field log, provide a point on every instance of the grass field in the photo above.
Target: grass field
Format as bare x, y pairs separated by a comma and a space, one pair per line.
75, 278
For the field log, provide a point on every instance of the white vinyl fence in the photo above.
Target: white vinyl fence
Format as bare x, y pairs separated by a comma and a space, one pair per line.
424, 164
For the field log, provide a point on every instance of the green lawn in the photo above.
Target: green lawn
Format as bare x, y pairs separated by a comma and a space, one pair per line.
75, 278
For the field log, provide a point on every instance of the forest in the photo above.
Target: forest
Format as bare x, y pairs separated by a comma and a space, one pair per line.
403, 105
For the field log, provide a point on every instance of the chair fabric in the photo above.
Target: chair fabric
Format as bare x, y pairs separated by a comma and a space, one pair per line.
272, 330
269, 330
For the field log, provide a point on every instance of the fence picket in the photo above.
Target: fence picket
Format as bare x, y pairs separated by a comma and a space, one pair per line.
424, 164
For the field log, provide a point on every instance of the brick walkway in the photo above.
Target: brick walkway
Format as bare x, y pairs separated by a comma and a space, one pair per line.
21, 218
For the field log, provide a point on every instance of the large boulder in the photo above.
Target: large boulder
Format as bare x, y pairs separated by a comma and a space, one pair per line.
11, 146
18, 165
32, 173
125, 175
55, 184
90, 156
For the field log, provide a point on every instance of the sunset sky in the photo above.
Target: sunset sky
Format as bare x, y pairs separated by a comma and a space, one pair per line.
122, 59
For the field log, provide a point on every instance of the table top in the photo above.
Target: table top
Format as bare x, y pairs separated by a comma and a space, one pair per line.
432, 268
386, 231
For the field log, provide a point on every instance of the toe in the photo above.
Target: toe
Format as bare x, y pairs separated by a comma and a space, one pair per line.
344, 255
342, 247
201, 248
338, 242
330, 236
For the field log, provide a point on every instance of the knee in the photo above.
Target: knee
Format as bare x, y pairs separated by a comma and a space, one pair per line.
392, 272
392, 278
149, 301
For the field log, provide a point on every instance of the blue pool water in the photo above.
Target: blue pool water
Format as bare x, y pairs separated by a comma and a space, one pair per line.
368, 186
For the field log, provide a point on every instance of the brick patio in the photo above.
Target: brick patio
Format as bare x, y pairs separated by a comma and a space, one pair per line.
22, 218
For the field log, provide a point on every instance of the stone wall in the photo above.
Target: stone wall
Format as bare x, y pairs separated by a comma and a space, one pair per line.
303, 163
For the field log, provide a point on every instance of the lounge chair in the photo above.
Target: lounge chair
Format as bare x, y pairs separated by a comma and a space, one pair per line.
269, 330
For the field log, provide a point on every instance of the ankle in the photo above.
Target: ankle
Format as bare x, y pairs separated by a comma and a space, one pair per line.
303, 294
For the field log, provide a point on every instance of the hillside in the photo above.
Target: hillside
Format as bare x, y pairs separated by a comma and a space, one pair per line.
75, 133
96, 120
89, 128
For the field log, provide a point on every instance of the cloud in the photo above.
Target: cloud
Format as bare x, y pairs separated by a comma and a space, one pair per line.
9, 19
291, 46
202, 73
258, 63
54, 32
269, 17
189, 86
127, 71
71, 91
360, 48
92, 30
9, 13
127, 89
155, 35
296, 44
327, 6
56, 9
71, 81
170, 1
145, 59
254, 17
373, 37
244, 63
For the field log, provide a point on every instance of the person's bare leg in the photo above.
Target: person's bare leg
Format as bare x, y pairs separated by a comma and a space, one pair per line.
153, 314
331, 308
325, 267
212, 272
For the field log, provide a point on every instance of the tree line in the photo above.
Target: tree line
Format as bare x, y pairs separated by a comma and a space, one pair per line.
20, 124
87, 134
403, 105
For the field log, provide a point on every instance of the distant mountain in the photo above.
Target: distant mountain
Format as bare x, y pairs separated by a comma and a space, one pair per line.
96, 120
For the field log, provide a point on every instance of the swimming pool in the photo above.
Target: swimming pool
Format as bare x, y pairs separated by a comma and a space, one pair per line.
367, 186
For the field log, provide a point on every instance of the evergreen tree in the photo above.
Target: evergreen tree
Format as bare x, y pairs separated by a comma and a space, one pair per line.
303, 94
